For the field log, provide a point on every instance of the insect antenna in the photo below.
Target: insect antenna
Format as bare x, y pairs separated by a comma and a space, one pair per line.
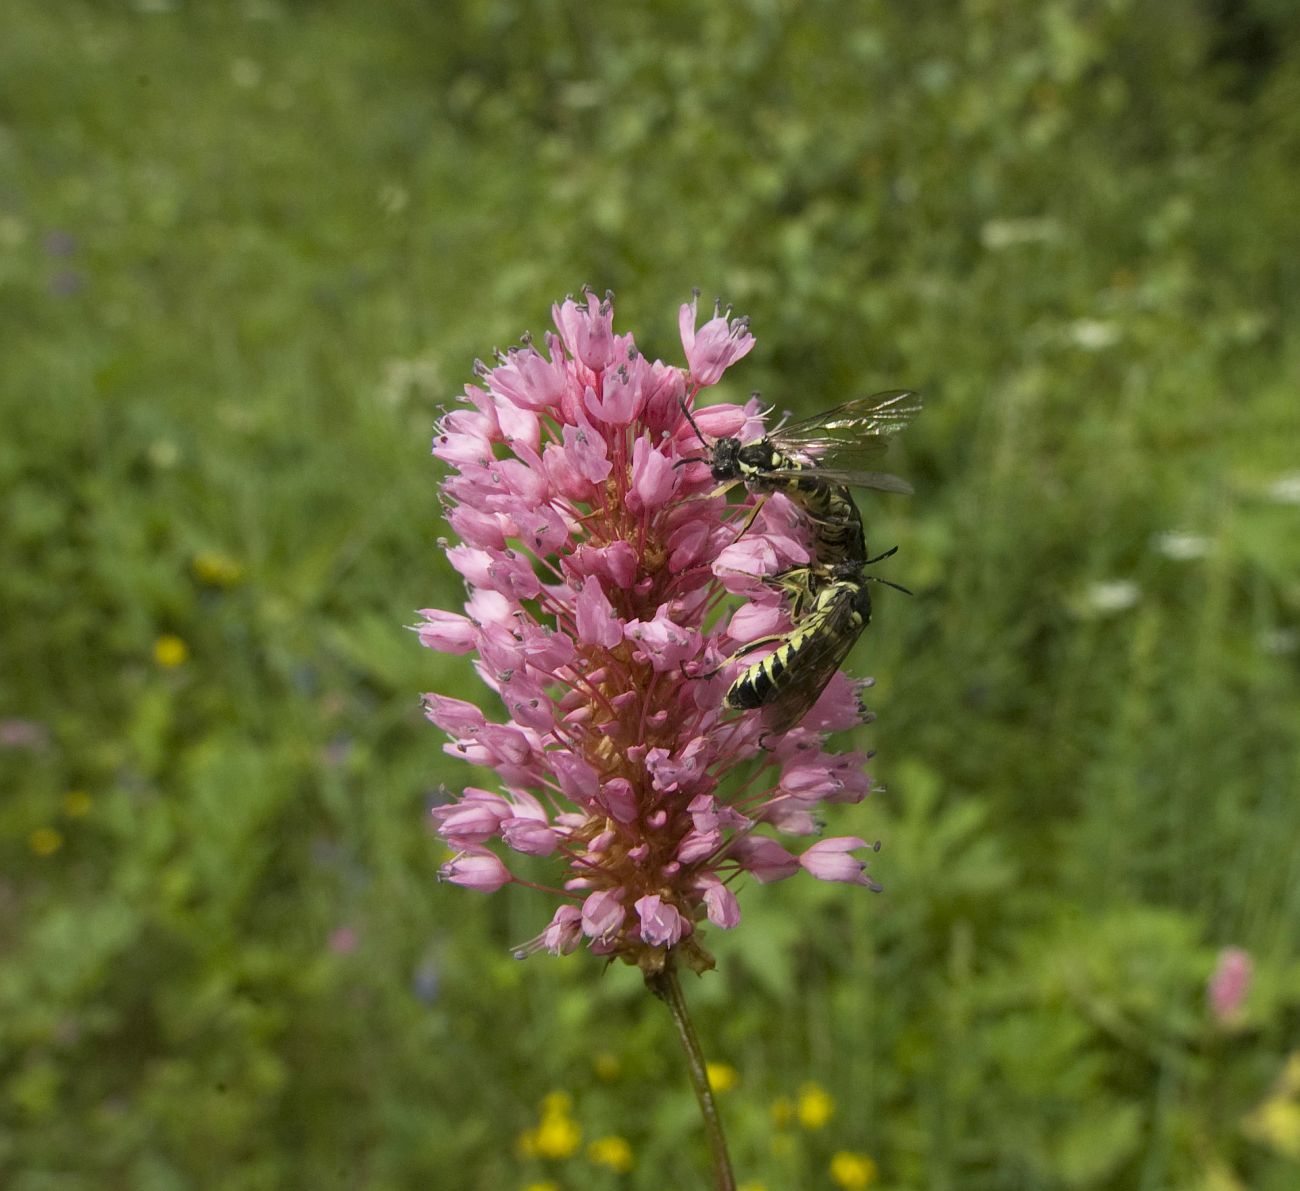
876, 578
703, 441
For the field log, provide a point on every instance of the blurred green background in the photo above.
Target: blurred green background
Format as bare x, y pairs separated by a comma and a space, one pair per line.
248, 248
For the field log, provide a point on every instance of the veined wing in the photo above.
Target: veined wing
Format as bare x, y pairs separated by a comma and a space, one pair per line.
861, 425
836, 471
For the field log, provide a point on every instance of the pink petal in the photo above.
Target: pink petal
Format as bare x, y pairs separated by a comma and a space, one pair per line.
719, 903
565, 931
447, 632
661, 923
829, 860
597, 624
602, 914
764, 858
717, 345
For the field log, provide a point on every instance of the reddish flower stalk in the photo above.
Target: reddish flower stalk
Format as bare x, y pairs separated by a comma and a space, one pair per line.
598, 562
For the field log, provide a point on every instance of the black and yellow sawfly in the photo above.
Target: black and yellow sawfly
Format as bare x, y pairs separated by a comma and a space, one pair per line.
815, 461
831, 609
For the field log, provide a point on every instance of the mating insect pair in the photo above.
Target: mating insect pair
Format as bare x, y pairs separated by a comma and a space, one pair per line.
812, 462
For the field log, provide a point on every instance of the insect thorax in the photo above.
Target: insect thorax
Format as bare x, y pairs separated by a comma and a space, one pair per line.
754, 461
725, 460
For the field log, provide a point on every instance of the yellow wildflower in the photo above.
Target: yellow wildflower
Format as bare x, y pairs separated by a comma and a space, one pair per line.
216, 569
169, 651
722, 1076
607, 1066
1276, 1123
816, 1106
1290, 1082
1220, 1177
853, 1171
45, 841
611, 1151
76, 804
556, 1104
558, 1135
548, 1185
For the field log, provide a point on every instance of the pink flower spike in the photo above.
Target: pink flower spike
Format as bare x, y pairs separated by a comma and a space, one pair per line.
716, 346
601, 565
476, 868
1228, 986
829, 860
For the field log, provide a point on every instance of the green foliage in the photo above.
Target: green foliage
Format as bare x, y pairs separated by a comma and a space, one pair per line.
246, 250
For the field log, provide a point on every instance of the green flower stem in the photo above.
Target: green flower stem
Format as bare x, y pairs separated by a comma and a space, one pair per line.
668, 989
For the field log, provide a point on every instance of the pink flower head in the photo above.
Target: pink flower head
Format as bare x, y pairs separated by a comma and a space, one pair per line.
596, 564
1228, 986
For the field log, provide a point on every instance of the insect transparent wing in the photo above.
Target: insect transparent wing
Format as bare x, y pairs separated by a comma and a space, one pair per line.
873, 417
838, 473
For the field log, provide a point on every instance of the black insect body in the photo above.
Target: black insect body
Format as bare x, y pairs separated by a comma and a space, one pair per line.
832, 608
814, 462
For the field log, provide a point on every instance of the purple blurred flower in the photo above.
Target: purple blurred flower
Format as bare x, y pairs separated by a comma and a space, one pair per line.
23, 734
343, 940
59, 243
66, 282
597, 558
1229, 984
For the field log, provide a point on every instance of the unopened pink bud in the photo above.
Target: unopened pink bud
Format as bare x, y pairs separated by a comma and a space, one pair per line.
447, 632
476, 868
829, 860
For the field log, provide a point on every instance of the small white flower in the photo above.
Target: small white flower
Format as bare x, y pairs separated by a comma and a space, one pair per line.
245, 73
1106, 596
998, 234
1180, 545
1279, 642
1285, 490
1093, 335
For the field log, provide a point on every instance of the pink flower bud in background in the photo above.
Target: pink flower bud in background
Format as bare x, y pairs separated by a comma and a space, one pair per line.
1229, 984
